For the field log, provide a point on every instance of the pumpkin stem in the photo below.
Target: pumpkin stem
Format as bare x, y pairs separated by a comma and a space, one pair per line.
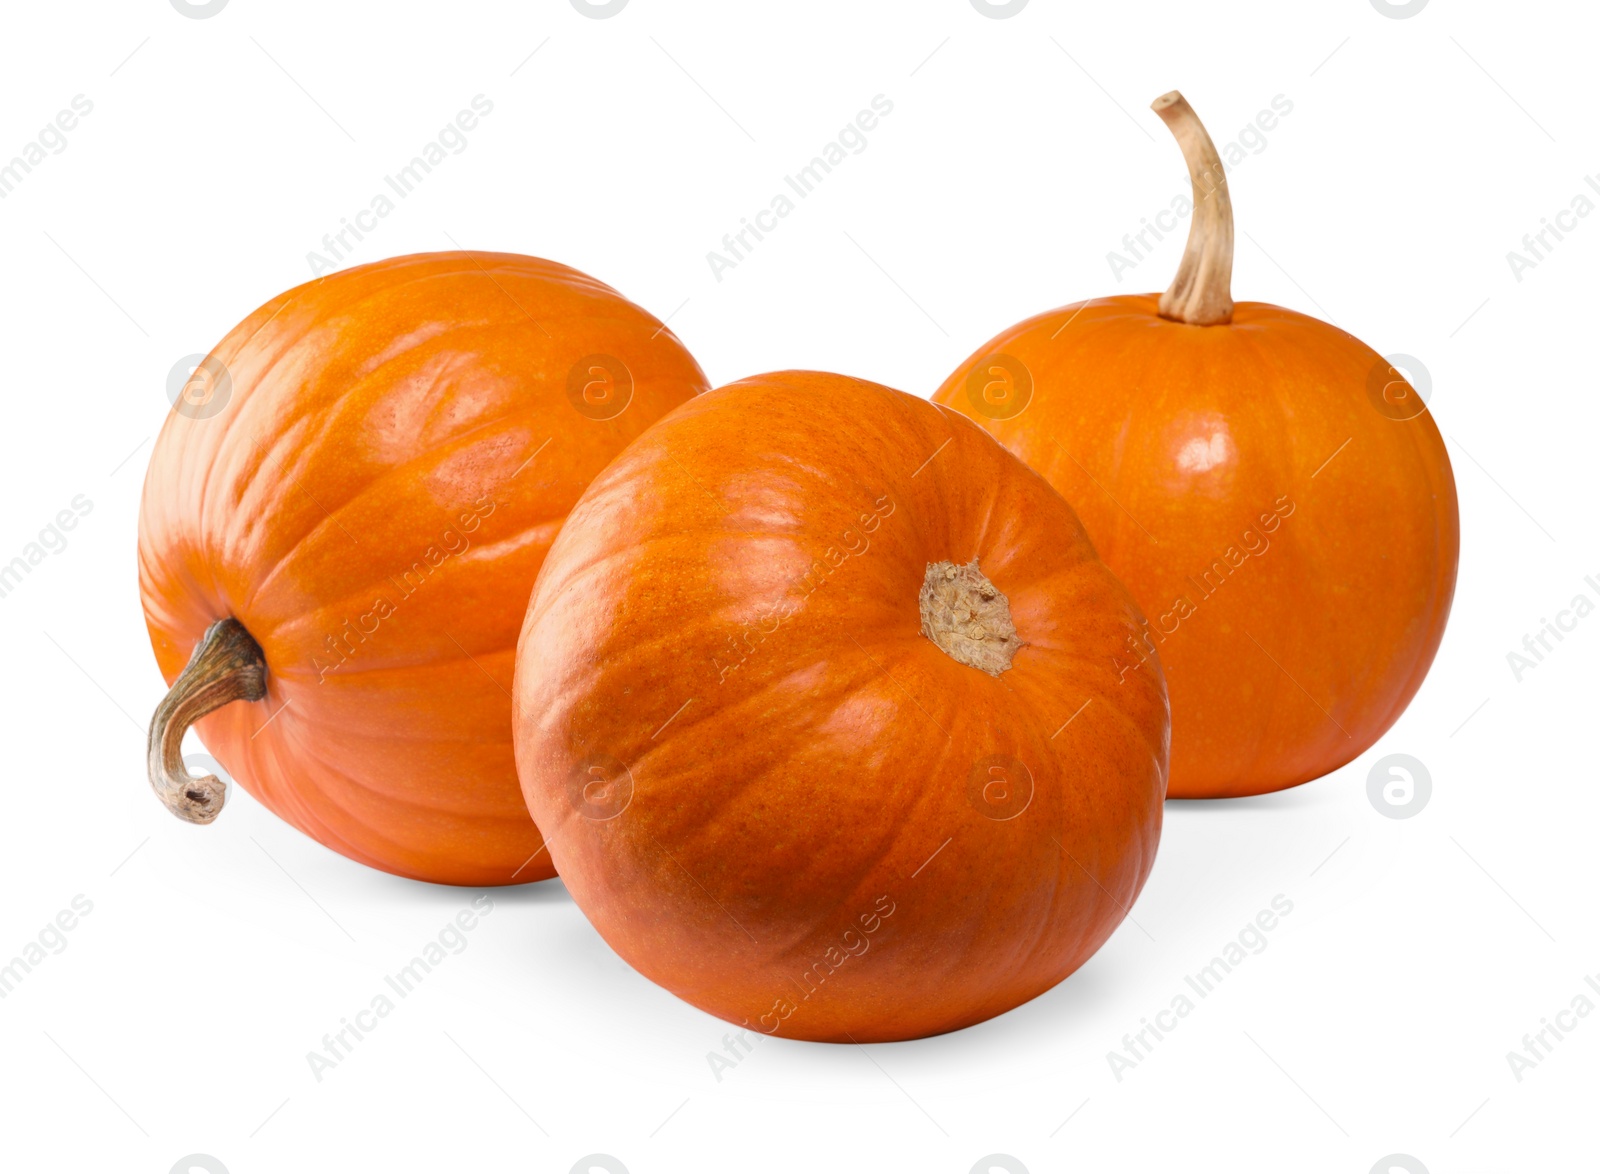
1200, 293
227, 665
968, 617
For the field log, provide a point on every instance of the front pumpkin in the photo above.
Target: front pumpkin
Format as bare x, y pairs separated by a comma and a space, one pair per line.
816, 701
342, 524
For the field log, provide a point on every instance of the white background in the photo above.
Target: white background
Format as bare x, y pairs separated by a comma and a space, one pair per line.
219, 151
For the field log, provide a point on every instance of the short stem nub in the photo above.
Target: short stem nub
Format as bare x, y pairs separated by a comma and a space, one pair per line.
1200, 294
227, 665
968, 617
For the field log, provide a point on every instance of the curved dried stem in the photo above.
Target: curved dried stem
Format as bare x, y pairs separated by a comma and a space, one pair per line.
227, 666
1200, 294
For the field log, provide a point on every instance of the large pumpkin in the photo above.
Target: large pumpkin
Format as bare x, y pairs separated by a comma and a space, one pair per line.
815, 702
343, 519
1272, 491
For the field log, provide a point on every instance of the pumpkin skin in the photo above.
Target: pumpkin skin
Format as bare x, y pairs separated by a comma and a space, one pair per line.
372, 499
1272, 492
767, 789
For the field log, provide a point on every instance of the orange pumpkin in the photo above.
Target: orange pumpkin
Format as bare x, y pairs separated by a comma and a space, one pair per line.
343, 518
815, 702
1271, 490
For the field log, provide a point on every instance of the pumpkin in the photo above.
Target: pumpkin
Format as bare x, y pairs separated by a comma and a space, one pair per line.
815, 703
342, 521
1272, 491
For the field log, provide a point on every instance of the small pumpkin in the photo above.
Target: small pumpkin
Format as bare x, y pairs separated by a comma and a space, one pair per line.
1271, 490
815, 703
342, 521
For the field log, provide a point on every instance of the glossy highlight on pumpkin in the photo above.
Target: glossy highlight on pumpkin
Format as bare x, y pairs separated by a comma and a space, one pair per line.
769, 788
367, 485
